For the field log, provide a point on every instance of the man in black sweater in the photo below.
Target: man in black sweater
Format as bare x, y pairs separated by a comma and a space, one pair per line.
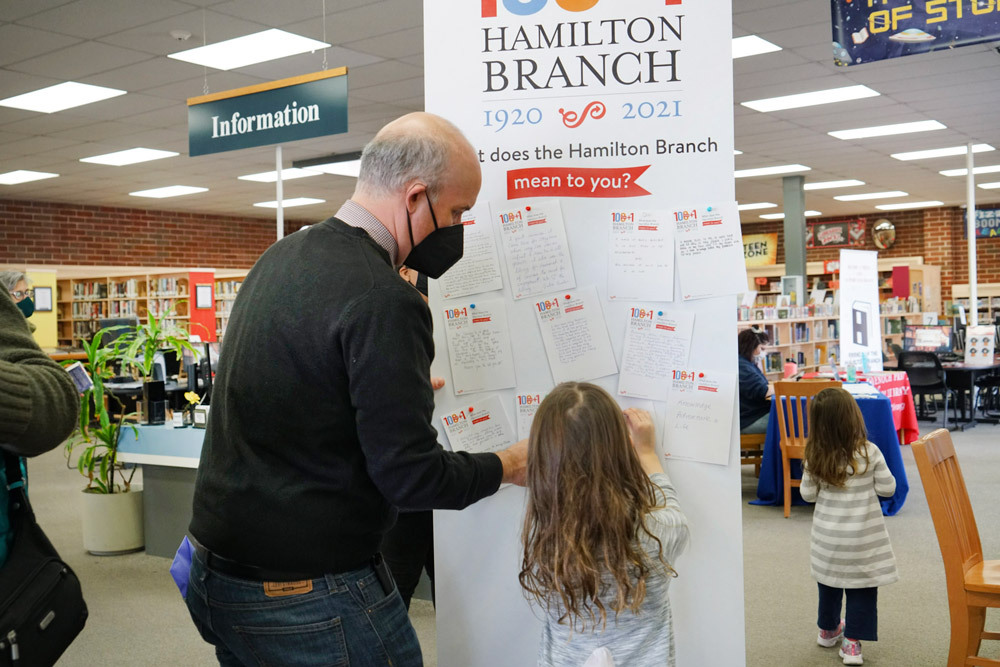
321, 419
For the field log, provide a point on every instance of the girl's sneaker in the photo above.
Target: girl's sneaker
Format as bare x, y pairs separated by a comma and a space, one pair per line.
850, 651
830, 638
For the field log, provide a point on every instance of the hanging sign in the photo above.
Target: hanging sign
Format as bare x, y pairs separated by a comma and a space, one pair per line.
760, 249
864, 32
300, 107
987, 223
839, 234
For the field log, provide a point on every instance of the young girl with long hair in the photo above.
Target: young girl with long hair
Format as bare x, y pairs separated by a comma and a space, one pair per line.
601, 531
844, 473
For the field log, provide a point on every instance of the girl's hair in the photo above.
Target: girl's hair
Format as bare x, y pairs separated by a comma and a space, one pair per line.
749, 339
587, 499
836, 436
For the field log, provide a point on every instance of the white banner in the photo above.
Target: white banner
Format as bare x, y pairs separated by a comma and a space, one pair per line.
587, 114
860, 323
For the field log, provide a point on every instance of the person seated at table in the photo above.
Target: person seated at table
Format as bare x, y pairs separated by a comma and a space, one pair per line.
755, 392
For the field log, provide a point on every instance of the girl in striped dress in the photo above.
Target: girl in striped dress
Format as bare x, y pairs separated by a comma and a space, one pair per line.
850, 551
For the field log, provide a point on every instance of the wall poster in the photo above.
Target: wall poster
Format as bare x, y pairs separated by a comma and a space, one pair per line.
604, 131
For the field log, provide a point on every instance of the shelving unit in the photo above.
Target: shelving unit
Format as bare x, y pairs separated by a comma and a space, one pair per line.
227, 286
988, 297
808, 341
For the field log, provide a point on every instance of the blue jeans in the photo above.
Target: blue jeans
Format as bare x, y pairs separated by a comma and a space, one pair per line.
346, 619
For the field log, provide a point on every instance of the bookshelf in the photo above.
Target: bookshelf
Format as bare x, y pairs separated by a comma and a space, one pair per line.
987, 296
227, 286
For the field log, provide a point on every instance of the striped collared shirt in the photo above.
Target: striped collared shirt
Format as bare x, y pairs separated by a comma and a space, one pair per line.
356, 215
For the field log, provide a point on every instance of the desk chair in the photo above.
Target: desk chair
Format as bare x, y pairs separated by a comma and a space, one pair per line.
752, 450
927, 378
793, 422
973, 583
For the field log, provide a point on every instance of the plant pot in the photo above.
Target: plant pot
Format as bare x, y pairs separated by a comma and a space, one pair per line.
154, 402
112, 522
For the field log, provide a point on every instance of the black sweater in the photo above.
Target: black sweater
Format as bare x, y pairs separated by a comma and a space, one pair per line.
320, 422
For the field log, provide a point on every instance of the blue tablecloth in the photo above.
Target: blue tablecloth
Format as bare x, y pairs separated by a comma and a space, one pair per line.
877, 413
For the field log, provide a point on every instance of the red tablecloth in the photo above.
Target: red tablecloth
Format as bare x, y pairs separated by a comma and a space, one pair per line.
896, 386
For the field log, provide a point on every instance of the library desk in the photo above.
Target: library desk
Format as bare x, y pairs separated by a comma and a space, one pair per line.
877, 413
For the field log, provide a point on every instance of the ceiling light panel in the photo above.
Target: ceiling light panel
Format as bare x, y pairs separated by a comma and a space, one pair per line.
887, 130
814, 98
942, 152
770, 171
828, 185
990, 186
991, 169
872, 195
24, 176
168, 191
752, 45
347, 168
912, 204
130, 156
259, 47
60, 97
781, 216
756, 206
289, 174
290, 203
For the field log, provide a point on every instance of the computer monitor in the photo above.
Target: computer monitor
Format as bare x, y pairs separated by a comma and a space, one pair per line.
128, 325
927, 338
171, 362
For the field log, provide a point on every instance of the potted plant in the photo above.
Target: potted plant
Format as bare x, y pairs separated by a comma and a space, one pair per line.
112, 507
144, 341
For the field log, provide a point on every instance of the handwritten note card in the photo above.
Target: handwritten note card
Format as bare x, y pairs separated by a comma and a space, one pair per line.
526, 405
656, 343
479, 426
479, 269
535, 246
699, 417
641, 258
575, 335
710, 251
479, 346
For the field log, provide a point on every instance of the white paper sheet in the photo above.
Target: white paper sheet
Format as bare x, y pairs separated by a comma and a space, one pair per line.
656, 343
710, 250
641, 261
535, 247
575, 335
698, 423
478, 346
479, 269
526, 405
480, 426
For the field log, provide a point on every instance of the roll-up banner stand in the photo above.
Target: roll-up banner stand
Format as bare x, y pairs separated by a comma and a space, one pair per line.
605, 246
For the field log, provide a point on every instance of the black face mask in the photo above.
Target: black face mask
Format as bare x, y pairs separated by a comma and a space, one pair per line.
439, 251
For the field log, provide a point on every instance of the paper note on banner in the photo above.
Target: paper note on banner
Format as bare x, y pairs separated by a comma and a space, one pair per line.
526, 406
656, 343
575, 335
641, 260
535, 246
698, 423
479, 426
709, 251
479, 346
479, 269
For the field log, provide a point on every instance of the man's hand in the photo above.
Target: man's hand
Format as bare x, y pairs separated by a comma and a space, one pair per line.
515, 461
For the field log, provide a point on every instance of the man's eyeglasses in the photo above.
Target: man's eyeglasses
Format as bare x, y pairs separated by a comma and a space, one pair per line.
19, 295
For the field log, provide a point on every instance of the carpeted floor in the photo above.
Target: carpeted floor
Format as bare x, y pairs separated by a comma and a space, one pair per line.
138, 617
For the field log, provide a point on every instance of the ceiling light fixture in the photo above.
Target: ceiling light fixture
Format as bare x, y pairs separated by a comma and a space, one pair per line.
290, 203
781, 216
942, 152
799, 100
289, 174
754, 207
736, 152
912, 204
990, 186
886, 130
338, 164
752, 45
130, 156
991, 169
24, 176
872, 195
168, 191
60, 97
827, 185
259, 47
770, 171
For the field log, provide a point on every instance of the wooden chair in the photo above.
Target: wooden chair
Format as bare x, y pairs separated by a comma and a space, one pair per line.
973, 584
752, 450
793, 420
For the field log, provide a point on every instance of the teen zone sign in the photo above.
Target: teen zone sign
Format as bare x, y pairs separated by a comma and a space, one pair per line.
301, 107
760, 249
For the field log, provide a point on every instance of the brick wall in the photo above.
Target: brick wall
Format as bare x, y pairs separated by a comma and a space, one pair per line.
52, 233
937, 234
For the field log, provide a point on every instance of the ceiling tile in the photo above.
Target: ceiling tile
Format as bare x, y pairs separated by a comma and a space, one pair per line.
21, 43
79, 60
90, 19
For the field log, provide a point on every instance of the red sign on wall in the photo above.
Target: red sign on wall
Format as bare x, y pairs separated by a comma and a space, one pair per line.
837, 234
